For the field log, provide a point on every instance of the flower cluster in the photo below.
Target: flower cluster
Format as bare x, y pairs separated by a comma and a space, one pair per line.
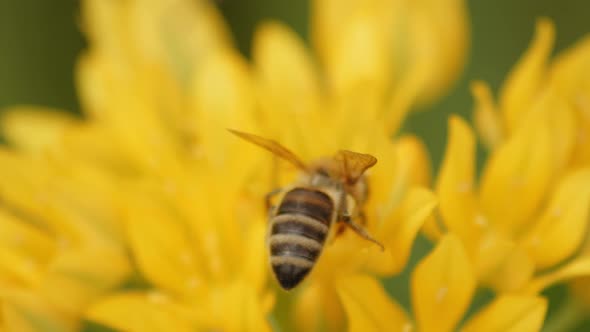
145, 214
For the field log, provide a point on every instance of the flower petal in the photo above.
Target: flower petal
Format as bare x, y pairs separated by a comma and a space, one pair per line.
77, 277
32, 129
255, 260
223, 97
403, 164
240, 309
318, 305
368, 306
562, 126
523, 82
486, 117
399, 233
517, 175
437, 40
24, 238
161, 247
151, 312
285, 70
561, 229
454, 185
442, 286
510, 313
508, 266
172, 32
577, 268
25, 311
353, 44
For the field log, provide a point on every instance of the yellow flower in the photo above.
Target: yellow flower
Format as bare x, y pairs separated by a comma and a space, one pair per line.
158, 86
144, 165
61, 243
442, 287
560, 90
560, 87
518, 225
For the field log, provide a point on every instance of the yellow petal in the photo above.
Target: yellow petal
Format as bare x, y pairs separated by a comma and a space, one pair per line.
510, 313
33, 129
487, 120
361, 56
399, 233
24, 238
27, 312
569, 73
103, 24
454, 185
179, 33
318, 305
285, 70
161, 246
509, 266
437, 40
413, 161
560, 231
18, 270
577, 268
562, 125
255, 260
522, 84
516, 176
116, 98
402, 164
223, 97
368, 306
76, 278
151, 312
442, 286
239, 310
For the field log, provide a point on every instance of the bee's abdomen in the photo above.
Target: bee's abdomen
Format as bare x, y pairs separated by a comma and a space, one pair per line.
298, 233
312, 203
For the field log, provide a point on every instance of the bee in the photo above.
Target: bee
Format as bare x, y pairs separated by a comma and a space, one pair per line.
328, 191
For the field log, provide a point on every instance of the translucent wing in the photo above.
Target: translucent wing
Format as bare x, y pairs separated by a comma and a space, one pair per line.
274, 147
354, 164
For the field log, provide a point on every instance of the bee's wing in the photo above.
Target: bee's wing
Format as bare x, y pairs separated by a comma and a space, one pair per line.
353, 164
274, 147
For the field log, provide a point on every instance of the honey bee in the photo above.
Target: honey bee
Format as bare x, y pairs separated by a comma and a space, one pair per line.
328, 191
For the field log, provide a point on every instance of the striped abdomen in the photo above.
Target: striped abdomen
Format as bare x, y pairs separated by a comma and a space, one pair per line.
299, 230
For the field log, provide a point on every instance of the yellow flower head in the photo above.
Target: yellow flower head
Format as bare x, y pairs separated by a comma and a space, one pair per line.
517, 222
61, 243
166, 194
538, 84
559, 90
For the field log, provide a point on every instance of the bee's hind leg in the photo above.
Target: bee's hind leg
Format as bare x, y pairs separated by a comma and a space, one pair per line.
268, 200
360, 230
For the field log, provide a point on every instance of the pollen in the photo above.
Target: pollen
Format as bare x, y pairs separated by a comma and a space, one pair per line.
464, 187
157, 297
441, 294
408, 327
481, 221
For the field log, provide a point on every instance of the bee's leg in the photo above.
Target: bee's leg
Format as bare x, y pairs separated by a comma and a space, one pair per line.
268, 200
360, 230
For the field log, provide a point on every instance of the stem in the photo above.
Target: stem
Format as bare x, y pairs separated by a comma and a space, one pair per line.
566, 318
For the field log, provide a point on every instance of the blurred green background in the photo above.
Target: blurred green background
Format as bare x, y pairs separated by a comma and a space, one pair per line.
40, 40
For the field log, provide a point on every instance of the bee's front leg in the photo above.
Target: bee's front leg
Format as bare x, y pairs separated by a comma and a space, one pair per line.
346, 219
